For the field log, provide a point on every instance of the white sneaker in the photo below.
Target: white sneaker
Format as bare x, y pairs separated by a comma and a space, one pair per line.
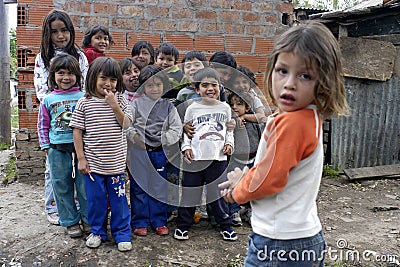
53, 218
236, 220
93, 241
124, 246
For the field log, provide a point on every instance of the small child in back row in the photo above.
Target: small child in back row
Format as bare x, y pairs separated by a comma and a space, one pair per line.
156, 126
96, 41
99, 121
205, 155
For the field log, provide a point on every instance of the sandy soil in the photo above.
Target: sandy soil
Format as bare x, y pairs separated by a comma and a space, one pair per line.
360, 222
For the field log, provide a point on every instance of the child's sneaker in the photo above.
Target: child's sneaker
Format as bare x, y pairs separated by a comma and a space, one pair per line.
74, 230
124, 246
93, 241
228, 234
181, 234
86, 228
53, 218
236, 220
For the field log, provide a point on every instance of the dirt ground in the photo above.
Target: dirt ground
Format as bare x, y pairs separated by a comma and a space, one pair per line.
361, 224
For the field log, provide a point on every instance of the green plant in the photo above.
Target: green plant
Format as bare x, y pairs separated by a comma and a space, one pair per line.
10, 170
14, 118
329, 171
4, 146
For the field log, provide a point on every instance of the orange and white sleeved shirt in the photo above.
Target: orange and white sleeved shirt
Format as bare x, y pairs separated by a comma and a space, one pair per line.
282, 186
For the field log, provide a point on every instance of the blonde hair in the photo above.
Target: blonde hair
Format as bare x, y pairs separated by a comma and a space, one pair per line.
314, 43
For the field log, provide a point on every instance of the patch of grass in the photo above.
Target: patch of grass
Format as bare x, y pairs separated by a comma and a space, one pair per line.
330, 172
4, 146
10, 170
14, 118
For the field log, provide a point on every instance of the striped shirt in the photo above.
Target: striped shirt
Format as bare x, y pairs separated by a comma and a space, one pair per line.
103, 138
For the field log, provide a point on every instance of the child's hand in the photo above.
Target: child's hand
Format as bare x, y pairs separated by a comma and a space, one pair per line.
234, 178
188, 128
230, 125
188, 155
242, 121
83, 166
111, 99
228, 149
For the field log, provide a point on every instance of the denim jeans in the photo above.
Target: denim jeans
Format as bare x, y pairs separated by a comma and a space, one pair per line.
49, 201
302, 252
63, 186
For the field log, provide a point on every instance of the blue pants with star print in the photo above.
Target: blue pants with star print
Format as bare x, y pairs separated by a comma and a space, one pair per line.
97, 191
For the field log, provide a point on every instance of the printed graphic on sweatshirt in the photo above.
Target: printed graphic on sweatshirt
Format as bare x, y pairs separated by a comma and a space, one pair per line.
210, 127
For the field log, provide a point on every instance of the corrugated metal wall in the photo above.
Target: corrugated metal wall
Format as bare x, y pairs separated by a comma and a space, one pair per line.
370, 136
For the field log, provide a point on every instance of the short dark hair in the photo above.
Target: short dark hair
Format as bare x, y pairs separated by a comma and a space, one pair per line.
205, 73
192, 55
246, 71
109, 67
167, 49
126, 63
143, 44
64, 61
247, 98
224, 58
92, 30
149, 72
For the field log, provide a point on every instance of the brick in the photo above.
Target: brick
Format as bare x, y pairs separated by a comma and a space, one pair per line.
22, 137
285, 8
36, 15
242, 5
180, 41
238, 44
205, 14
255, 30
27, 146
209, 43
196, 3
174, 3
182, 13
133, 37
118, 55
28, 36
27, 120
158, 12
263, 7
105, 8
91, 20
42, 2
123, 23
79, 6
119, 41
232, 28
134, 11
231, 16
220, 4
188, 26
163, 25
263, 45
250, 17
212, 28
271, 18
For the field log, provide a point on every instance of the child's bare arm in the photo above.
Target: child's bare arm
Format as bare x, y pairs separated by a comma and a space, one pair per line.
83, 165
122, 119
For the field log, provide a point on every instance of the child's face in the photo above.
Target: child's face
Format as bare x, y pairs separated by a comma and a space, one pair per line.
100, 41
65, 79
224, 74
238, 106
165, 61
131, 78
144, 56
241, 83
154, 88
292, 83
208, 89
60, 35
191, 67
105, 83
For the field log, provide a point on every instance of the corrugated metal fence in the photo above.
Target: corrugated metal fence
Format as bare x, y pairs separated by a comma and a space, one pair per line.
370, 136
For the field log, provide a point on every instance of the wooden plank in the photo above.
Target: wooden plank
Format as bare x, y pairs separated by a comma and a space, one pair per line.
372, 172
367, 58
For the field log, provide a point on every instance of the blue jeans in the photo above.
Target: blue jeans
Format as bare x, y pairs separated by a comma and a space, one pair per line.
49, 201
149, 189
97, 191
303, 252
64, 187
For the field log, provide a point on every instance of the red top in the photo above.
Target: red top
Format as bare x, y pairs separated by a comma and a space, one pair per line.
92, 53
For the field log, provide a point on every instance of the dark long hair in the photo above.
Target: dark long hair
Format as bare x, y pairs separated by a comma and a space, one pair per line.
47, 51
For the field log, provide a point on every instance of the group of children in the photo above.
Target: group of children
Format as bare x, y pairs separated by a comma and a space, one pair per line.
149, 118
